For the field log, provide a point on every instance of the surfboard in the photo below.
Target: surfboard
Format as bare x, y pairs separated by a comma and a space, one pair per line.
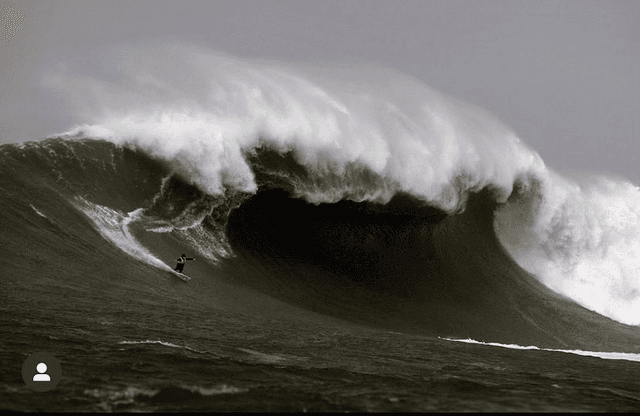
180, 276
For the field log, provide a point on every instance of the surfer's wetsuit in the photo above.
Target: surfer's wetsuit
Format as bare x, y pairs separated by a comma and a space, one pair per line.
181, 261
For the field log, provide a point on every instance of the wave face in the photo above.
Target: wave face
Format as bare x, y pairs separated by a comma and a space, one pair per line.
347, 191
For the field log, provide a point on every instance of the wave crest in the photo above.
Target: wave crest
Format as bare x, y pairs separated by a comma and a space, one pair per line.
203, 112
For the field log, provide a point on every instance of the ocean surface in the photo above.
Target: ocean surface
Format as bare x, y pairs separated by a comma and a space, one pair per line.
361, 243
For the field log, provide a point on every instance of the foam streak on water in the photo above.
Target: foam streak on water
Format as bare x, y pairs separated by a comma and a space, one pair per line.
599, 354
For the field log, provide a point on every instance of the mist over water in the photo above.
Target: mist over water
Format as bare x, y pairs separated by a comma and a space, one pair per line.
364, 134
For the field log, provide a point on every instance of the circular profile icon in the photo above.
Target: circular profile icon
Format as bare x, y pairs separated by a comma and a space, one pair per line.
41, 371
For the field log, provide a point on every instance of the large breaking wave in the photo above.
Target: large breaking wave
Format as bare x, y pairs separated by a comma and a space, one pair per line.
334, 134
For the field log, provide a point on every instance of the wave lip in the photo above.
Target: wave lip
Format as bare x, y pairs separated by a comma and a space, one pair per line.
333, 121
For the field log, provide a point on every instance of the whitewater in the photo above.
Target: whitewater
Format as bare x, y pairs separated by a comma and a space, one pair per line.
362, 133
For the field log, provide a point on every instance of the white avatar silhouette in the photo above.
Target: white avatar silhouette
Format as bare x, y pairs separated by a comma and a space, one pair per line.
42, 368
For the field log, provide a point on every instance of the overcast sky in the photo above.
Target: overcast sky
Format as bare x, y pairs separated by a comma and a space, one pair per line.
564, 75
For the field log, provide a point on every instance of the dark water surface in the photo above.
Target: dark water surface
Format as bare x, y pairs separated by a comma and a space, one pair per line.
316, 308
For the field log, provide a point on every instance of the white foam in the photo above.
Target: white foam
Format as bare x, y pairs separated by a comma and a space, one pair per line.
604, 355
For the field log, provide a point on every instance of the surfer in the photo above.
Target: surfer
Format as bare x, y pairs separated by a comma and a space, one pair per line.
181, 262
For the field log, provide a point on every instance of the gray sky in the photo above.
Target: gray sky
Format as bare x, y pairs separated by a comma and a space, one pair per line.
564, 75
